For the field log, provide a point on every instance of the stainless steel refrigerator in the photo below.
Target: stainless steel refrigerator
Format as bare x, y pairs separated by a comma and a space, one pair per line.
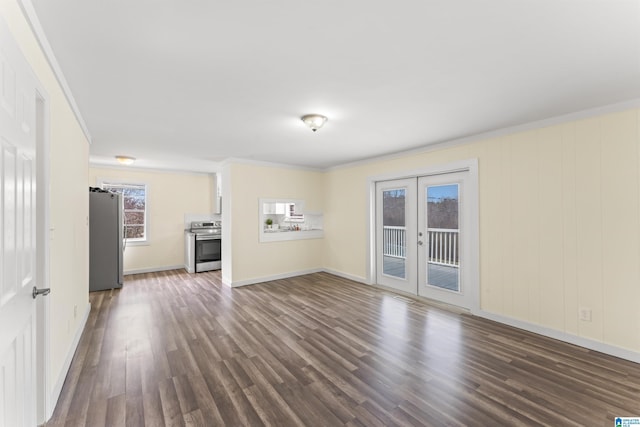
105, 240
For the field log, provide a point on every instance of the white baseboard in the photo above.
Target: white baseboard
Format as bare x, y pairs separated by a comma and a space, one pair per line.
274, 277
62, 376
358, 279
225, 280
601, 347
153, 269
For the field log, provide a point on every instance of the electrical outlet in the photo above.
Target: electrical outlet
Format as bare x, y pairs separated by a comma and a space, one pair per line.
75, 311
585, 314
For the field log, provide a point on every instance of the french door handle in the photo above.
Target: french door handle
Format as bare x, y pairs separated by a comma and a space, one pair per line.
420, 242
41, 291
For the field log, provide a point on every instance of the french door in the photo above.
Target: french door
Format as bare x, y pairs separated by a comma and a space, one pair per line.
421, 242
396, 251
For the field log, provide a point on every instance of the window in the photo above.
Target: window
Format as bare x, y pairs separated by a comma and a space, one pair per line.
134, 199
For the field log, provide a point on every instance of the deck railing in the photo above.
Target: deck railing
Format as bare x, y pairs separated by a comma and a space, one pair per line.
395, 241
442, 244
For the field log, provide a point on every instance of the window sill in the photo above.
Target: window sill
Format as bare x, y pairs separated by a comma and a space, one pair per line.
284, 235
137, 243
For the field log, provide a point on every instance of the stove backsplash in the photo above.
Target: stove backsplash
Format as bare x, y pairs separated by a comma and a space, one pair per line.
189, 218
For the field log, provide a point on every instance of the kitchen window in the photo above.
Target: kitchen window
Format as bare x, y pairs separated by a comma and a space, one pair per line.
134, 199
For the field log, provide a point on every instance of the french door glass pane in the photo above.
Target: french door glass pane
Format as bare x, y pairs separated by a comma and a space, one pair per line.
443, 244
394, 232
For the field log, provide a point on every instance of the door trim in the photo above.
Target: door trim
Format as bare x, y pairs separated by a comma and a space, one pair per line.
473, 234
44, 405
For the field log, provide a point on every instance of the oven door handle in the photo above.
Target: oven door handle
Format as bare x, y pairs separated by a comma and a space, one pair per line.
207, 237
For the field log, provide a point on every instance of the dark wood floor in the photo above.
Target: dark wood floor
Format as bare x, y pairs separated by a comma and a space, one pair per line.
177, 349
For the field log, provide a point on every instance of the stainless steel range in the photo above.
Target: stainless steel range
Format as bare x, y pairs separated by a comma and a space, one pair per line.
203, 247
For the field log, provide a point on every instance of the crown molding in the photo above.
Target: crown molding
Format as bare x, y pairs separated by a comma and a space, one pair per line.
539, 124
238, 160
149, 169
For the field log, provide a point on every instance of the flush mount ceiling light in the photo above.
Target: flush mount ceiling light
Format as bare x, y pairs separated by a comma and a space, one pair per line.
125, 160
314, 121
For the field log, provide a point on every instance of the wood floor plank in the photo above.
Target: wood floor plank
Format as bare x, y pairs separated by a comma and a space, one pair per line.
269, 414
116, 411
222, 398
306, 406
195, 419
186, 396
178, 349
204, 400
170, 404
266, 371
337, 402
272, 405
96, 414
134, 415
82, 394
152, 408
133, 374
246, 412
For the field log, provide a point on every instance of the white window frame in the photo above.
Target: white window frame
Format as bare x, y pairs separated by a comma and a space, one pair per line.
101, 182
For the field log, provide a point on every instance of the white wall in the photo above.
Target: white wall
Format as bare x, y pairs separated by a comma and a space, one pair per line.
170, 195
69, 206
559, 224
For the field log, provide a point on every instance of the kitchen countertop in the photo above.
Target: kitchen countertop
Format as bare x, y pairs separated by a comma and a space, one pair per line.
286, 230
283, 234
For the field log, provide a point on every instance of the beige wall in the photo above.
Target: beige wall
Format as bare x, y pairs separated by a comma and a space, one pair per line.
559, 223
170, 195
69, 208
251, 259
69, 245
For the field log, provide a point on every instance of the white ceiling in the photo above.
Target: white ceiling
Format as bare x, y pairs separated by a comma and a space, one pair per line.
186, 84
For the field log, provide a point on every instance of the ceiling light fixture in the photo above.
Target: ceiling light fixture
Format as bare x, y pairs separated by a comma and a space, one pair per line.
125, 160
314, 121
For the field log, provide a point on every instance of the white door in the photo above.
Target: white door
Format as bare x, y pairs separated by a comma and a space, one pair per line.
427, 236
396, 252
442, 239
17, 236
